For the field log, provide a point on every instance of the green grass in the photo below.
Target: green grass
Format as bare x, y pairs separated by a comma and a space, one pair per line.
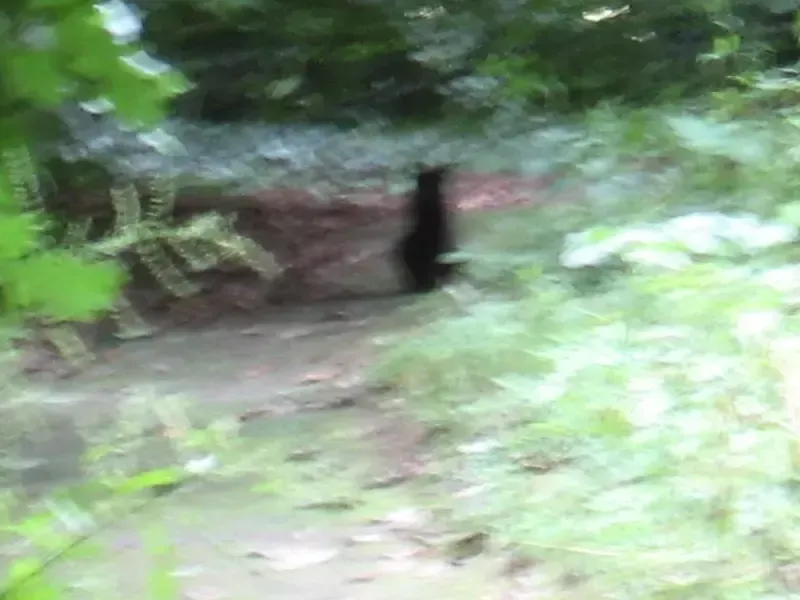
636, 410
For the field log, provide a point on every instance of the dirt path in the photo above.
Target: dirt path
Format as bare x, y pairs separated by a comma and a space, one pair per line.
305, 503
284, 362
312, 504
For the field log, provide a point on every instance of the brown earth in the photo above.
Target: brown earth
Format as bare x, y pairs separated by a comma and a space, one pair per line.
320, 247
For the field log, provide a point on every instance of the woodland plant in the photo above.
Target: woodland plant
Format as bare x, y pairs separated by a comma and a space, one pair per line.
637, 434
43, 282
85, 51
52, 53
142, 228
641, 437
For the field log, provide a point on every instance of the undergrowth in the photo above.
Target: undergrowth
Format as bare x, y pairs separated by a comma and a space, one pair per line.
632, 392
632, 409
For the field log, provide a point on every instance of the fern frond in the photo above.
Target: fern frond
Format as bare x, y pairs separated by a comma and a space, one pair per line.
166, 272
77, 233
68, 344
17, 164
211, 238
162, 200
127, 209
130, 325
190, 242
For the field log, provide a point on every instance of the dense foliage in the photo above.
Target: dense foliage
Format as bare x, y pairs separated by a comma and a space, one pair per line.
411, 60
52, 53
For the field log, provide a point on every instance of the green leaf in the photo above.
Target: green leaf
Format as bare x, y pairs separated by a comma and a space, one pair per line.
137, 93
790, 213
84, 41
151, 479
172, 83
18, 235
163, 583
613, 423
26, 580
8, 193
64, 287
34, 5
725, 46
283, 87
34, 75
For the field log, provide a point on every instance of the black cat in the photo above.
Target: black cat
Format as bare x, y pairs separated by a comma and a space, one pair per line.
429, 235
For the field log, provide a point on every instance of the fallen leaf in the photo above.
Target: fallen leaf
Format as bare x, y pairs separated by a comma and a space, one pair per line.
340, 505
366, 538
251, 331
404, 553
303, 455
257, 371
478, 447
471, 491
387, 481
406, 518
317, 377
295, 333
255, 413
468, 546
517, 564
338, 315
290, 559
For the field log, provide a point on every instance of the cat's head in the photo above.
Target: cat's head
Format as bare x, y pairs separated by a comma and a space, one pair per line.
436, 175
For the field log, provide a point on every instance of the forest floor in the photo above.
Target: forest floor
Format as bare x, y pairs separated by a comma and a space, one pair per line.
331, 489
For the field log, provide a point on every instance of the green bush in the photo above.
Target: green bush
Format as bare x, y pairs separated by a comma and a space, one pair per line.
52, 53
282, 61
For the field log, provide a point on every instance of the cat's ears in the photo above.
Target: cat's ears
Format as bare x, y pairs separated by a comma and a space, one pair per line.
441, 169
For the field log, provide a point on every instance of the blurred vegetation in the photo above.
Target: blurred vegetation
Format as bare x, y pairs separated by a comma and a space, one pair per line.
626, 359
52, 53
634, 408
412, 60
